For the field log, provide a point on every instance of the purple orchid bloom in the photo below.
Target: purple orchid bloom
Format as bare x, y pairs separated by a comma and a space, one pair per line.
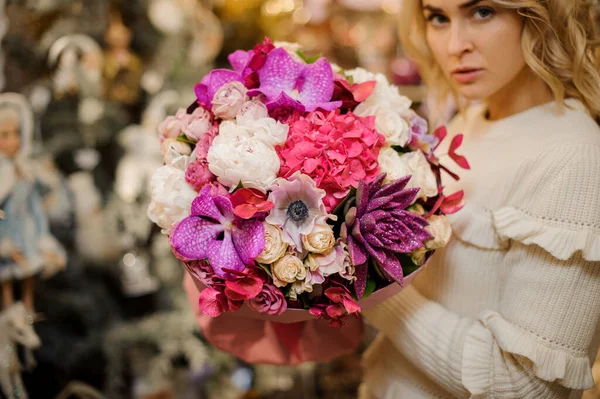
214, 233
211, 83
287, 83
378, 227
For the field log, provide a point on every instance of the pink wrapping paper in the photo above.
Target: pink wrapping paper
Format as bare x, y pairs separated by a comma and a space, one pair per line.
291, 338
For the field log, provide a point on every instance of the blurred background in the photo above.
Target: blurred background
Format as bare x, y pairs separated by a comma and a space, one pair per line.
99, 76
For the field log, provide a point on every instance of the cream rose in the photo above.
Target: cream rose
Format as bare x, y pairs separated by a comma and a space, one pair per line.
287, 270
320, 240
228, 100
418, 256
388, 122
197, 124
275, 247
414, 164
253, 110
440, 229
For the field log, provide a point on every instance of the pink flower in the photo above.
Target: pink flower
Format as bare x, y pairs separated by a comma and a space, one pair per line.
203, 145
336, 150
269, 301
228, 100
197, 124
198, 175
202, 270
213, 302
172, 126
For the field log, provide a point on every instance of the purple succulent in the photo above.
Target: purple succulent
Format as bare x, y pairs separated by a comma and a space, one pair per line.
214, 233
379, 227
211, 83
288, 83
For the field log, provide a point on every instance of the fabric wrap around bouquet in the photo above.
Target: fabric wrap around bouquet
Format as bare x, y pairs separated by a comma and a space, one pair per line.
296, 194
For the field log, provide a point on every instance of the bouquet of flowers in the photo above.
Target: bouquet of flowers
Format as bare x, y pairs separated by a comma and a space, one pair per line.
292, 186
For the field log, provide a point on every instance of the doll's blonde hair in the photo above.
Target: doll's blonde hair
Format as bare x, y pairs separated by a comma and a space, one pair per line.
8, 112
560, 43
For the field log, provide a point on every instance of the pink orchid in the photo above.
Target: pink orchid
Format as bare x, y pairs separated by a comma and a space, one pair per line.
214, 232
286, 82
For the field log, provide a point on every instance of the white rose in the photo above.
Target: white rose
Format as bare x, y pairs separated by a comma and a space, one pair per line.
388, 122
384, 94
171, 197
172, 149
440, 229
288, 270
412, 163
267, 130
228, 100
253, 109
320, 240
275, 247
237, 158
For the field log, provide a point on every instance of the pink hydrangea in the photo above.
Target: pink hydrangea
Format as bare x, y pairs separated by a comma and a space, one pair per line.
336, 150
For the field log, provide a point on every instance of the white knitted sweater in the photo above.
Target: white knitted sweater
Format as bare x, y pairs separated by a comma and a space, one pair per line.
511, 307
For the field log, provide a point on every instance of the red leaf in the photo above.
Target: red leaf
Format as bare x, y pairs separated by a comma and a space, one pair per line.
440, 133
336, 294
351, 306
243, 288
459, 159
453, 203
361, 91
212, 302
245, 211
335, 311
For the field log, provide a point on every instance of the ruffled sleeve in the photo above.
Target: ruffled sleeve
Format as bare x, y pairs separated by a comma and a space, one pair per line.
539, 341
558, 208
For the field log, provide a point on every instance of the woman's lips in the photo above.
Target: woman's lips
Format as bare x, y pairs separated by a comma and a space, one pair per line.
466, 76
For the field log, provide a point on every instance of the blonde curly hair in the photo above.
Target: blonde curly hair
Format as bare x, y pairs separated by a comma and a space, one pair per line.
560, 42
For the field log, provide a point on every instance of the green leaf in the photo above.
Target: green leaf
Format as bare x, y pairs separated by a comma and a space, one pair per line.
370, 288
307, 59
266, 268
401, 150
184, 139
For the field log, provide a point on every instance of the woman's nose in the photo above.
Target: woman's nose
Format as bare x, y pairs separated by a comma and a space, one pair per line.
459, 41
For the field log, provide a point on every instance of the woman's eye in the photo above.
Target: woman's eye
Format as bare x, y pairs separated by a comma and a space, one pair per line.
483, 13
437, 19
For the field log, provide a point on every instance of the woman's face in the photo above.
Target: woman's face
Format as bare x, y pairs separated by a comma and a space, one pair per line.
10, 138
476, 43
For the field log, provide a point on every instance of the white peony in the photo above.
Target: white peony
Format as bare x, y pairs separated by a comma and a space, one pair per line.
267, 130
388, 122
235, 158
275, 247
171, 195
413, 163
440, 229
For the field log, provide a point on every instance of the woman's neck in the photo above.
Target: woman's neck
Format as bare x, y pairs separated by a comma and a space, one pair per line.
526, 91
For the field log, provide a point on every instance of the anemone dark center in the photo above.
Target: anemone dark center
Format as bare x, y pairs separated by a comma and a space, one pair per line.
297, 211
